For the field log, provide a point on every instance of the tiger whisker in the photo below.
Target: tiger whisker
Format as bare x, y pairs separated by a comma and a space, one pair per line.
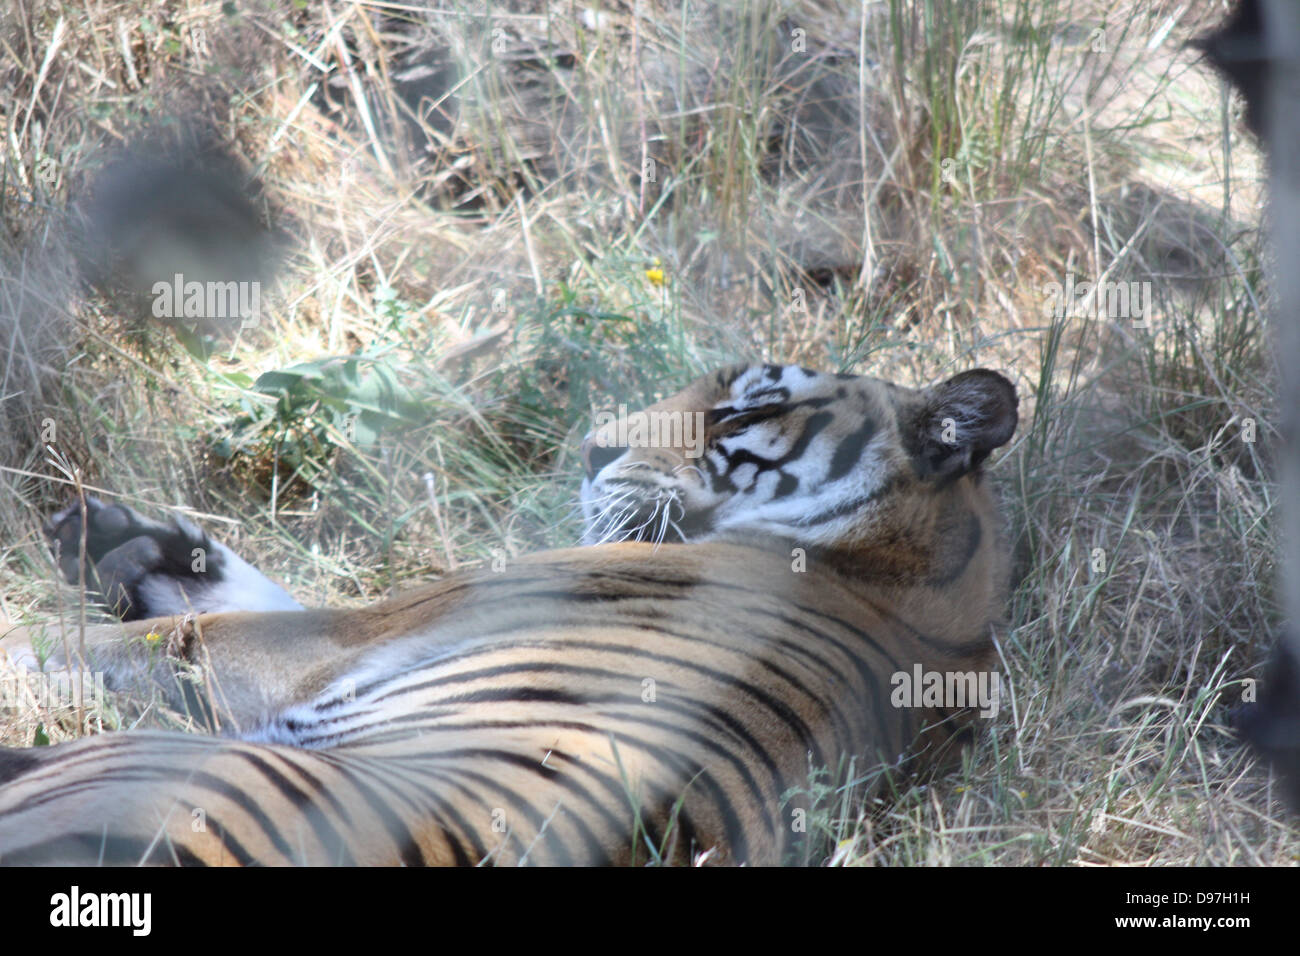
614, 524
663, 526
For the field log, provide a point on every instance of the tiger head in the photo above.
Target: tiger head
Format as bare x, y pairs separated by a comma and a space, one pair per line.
829, 461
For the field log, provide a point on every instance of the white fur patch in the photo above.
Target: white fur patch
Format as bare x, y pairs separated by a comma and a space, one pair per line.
241, 587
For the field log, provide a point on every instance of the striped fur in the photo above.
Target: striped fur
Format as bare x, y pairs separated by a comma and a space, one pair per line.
583, 705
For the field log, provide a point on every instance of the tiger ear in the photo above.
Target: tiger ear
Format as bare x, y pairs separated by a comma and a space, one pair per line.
960, 422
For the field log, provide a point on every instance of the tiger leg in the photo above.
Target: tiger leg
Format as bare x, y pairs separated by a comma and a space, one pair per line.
160, 578
230, 671
233, 669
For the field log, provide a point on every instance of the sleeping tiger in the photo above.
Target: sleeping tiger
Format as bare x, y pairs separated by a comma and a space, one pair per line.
660, 694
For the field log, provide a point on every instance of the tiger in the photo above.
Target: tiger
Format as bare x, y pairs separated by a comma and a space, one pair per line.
743, 597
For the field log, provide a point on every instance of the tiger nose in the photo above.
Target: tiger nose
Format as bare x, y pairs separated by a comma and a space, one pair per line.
596, 456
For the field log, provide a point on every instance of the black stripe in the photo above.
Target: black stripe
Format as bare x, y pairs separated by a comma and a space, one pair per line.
850, 450
852, 506
404, 842
955, 568
787, 486
328, 837
520, 804
238, 796
230, 843
649, 825
14, 763
409, 771
434, 809
596, 849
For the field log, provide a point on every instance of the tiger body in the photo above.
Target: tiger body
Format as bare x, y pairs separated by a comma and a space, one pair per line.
625, 701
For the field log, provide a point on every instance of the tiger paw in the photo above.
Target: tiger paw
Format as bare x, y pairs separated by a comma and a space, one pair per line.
127, 555
142, 568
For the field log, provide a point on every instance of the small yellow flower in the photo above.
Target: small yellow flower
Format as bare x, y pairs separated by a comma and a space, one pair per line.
153, 637
655, 274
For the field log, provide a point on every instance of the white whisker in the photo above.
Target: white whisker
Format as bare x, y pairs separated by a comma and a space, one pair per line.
695, 469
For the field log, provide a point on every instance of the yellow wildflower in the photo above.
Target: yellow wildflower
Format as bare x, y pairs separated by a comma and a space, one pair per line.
655, 274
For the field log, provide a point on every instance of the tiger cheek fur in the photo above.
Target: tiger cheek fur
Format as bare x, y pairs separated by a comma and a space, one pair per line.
756, 578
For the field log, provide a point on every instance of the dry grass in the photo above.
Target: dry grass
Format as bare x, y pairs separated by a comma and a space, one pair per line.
478, 205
